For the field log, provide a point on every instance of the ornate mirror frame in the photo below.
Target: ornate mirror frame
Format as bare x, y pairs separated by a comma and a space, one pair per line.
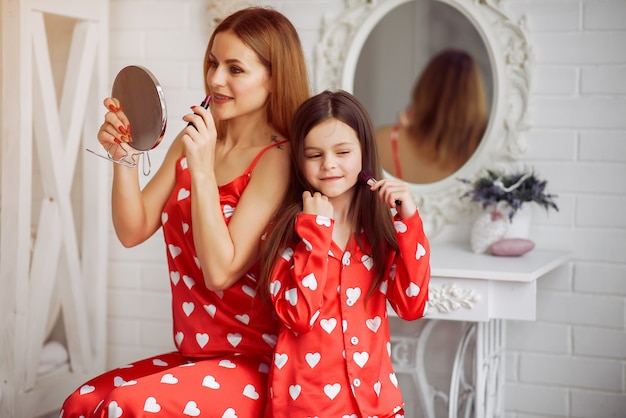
336, 58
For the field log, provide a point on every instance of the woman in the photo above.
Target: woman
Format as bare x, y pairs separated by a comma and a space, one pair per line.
444, 124
220, 183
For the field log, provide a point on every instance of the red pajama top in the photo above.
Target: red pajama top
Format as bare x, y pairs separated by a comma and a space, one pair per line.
208, 323
333, 356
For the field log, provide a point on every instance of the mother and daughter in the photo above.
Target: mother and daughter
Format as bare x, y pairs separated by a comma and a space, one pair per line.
281, 264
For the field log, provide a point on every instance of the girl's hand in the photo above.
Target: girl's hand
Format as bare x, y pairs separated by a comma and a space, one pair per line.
316, 204
199, 139
392, 190
115, 129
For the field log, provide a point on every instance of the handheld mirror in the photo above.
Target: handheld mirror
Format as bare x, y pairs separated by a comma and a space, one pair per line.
143, 103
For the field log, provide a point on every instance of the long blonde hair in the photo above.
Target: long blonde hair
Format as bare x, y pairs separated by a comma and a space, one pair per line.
276, 42
449, 108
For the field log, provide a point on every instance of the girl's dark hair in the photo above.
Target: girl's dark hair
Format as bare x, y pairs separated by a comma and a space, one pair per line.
370, 214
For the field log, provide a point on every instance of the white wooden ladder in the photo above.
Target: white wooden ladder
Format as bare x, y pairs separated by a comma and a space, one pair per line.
54, 203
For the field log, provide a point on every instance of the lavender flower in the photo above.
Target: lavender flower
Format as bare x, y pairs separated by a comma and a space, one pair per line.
514, 189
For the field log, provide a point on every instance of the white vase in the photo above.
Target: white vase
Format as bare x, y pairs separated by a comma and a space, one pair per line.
519, 226
488, 228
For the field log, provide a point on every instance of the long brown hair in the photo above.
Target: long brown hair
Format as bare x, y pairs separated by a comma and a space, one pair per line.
449, 108
369, 214
276, 42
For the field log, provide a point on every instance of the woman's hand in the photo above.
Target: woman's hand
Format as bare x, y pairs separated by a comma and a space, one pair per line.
115, 131
397, 195
316, 204
199, 139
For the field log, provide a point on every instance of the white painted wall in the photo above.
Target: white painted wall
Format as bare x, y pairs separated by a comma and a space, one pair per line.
572, 360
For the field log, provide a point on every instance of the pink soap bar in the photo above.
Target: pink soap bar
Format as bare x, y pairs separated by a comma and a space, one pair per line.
511, 247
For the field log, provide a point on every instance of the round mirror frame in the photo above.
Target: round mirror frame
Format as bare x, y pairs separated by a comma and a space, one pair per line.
336, 58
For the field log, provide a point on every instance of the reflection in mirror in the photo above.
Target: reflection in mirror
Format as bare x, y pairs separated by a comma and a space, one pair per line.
143, 103
508, 58
445, 95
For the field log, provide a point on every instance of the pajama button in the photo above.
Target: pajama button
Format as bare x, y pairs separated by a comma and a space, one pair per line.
357, 382
354, 340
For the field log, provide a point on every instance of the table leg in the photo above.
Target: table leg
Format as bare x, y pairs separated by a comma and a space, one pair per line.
480, 395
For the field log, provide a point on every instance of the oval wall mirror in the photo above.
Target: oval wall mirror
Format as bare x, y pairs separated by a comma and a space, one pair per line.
432, 42
499, 45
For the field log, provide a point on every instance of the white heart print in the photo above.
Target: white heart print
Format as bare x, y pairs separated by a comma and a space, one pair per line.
86, 389
291, 296
332, 390
228, 211
174, 250
322, 220
188, 308
230, 413
151, 405
294, 391
250, 392
270, 339
421, 251
373, 323
227, 364
169, 379
309, 281
114, 410
413, 290
383, 287
175, 277
353, 294
280, 360
210, 309
183, 194
188, 281
368, 262
287, 254
400, 226
361, 358
244, 319
210, 382
248, 290
312, 359
191, 409
274, 287
234, 339
328, 325
202, 339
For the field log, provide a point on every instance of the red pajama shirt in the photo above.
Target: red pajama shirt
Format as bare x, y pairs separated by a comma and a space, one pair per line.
333, 355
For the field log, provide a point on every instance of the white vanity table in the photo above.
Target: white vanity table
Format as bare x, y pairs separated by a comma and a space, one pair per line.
485, 291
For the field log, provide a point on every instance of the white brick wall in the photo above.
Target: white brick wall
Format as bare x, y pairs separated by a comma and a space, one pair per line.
572, 360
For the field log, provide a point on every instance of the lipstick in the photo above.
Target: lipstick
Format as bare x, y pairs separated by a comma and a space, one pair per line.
367, 178
204, 104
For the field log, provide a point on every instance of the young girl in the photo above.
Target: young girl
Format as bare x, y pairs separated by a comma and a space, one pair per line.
214, 194
332, 261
